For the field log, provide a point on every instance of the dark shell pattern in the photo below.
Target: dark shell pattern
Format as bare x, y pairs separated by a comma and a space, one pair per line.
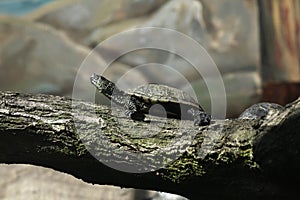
154, 93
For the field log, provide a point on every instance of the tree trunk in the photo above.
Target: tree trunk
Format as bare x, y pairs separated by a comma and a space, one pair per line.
230, 159
280, 41
280, 50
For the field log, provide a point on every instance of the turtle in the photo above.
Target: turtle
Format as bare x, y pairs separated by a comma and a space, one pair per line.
138, 102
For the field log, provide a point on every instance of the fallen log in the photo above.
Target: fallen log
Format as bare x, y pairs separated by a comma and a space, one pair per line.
231, 159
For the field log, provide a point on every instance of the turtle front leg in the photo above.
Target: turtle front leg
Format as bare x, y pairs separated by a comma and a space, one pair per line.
132, 110
200, 117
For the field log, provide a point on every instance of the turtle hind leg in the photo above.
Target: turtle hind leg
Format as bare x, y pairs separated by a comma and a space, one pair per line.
200, 117
133, 111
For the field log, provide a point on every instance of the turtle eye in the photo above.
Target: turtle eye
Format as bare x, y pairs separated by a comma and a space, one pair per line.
98, 78
96, 81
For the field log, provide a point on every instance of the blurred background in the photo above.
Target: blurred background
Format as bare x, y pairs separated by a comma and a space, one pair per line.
255, 45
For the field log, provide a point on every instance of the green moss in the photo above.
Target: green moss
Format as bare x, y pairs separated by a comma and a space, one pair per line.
183, 169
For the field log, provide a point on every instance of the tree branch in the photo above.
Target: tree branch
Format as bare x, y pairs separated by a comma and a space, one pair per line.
230, 158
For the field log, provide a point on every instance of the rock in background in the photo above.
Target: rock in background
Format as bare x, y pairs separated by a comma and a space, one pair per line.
21, 182
36, 58
80, 17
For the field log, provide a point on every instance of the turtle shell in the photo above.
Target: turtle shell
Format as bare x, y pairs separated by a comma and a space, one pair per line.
175, 102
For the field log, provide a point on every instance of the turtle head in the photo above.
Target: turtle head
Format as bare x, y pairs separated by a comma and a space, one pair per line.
102, 84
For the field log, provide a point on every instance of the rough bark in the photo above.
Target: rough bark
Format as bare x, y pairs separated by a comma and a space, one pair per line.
231, 159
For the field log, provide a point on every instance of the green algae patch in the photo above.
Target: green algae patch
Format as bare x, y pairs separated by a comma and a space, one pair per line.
182, 169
